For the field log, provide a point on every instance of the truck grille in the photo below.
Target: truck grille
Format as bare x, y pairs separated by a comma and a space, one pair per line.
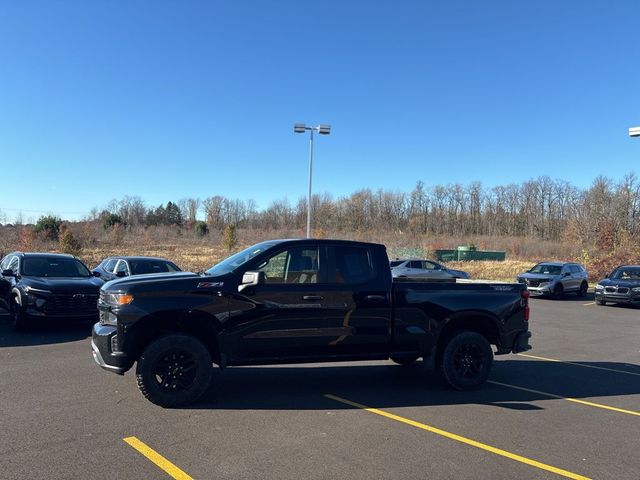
79, 304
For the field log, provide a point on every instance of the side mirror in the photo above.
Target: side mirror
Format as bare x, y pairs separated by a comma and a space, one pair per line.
95, 273
8, 273
251, 279
121, 274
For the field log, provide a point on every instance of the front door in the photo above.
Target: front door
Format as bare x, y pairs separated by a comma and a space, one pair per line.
285, 317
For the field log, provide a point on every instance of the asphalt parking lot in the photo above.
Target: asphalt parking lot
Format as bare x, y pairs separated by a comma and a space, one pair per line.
569, 408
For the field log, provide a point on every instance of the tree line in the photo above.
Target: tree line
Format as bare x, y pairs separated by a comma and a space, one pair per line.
544, 208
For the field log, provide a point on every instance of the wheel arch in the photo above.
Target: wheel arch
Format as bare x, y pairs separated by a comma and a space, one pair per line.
475, 321
203, 326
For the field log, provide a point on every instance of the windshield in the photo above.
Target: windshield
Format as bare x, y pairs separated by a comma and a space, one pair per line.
546, 269
626, 274
236, 260
54, 267
395, 263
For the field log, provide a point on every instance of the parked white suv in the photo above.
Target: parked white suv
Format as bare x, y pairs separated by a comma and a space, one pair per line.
555, 279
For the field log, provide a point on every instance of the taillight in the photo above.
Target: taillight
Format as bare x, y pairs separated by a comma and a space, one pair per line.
524, 293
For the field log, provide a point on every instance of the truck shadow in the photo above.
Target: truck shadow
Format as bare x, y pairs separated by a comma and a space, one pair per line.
389, 385
41, 334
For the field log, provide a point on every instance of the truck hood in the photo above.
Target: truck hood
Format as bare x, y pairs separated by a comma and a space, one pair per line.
148, 279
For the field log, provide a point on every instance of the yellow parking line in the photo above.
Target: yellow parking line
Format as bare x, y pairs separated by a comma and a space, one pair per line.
461, 439
578, 364
159, 460
590, 303
569, 399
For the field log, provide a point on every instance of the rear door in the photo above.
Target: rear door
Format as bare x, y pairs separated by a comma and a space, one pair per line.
358, 302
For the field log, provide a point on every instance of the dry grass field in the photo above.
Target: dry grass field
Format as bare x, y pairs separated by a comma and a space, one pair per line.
196, 253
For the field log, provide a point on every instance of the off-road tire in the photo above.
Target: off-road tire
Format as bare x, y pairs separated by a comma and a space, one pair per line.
174, 370
466, 360
402, 360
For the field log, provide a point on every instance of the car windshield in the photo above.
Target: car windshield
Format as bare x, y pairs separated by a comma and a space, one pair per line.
54, 267
139, 267
546, 269
626, 274
396, 263
234, 261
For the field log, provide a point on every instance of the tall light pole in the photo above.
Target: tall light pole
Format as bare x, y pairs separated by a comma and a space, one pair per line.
634, 132
322, 130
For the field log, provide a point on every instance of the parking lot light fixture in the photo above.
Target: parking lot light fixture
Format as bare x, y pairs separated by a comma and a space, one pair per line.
634, 132
322, 130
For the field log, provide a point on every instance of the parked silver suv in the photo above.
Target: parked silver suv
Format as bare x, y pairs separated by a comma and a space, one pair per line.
555, 279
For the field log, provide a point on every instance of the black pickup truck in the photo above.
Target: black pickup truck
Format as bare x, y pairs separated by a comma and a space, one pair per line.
296, 301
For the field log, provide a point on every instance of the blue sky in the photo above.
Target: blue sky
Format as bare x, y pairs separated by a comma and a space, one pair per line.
167, 99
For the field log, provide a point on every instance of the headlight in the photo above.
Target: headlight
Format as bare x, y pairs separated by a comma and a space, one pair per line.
117, 298
636, 289
599, 287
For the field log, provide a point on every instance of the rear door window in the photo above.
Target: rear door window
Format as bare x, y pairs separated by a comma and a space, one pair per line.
352, 265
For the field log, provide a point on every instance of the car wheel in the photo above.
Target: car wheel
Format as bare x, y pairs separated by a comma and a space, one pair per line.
558, 290
18, 321
601, 302
402, 360
583, 289
174, 370
466, 361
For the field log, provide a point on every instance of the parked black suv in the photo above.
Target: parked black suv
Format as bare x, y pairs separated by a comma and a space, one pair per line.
620, 286
116, 267
47, 286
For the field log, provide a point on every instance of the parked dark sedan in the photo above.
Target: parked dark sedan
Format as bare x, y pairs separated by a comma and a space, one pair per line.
620, 286
46, 286
116, 267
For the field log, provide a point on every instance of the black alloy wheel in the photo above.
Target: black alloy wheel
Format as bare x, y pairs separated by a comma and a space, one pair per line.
466, 360
174, 370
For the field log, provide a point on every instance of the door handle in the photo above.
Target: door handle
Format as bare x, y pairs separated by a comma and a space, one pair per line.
377, 298
313, 298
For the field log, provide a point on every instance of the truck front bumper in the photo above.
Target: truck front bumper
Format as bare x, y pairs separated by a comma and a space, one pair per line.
104, 339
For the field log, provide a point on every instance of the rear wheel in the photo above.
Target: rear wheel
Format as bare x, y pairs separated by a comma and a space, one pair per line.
174, 370
583, 289
466, 360
403, 360
18, 321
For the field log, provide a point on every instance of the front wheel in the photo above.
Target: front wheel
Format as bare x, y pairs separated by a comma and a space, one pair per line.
558, 290
466, 360
583, 289
174, 370
601, 302
18, 321
400, 360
